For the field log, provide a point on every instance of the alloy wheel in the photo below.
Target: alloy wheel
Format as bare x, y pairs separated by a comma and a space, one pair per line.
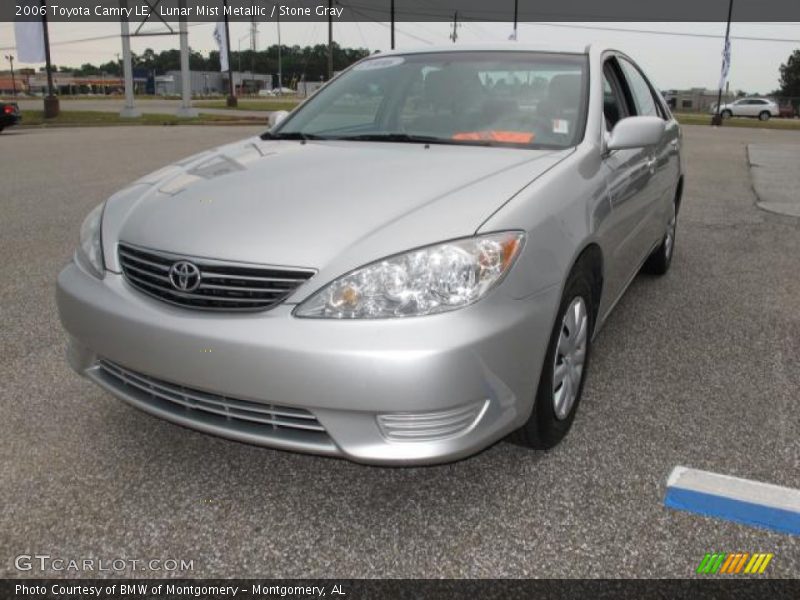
570, 357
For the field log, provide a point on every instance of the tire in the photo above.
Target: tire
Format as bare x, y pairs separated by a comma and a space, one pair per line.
551, 420
726, 114
764, 115
659, 261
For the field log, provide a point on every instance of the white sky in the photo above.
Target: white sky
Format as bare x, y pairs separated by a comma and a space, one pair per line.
672, 61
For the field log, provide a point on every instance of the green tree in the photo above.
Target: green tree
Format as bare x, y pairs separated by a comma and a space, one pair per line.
790, 75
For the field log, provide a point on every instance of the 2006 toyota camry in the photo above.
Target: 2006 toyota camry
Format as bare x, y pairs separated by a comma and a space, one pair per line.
409, 267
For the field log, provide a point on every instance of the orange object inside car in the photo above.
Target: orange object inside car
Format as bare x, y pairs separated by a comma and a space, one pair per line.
509, 137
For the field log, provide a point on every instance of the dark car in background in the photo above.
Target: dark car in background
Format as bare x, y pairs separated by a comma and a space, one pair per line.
9, 114
787, 110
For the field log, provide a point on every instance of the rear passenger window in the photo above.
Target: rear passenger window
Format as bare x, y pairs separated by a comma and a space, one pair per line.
640, 90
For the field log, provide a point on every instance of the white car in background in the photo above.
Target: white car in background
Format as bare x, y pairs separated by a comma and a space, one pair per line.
277, 92
761, 108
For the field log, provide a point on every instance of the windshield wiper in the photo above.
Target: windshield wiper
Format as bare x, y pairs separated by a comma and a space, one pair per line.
407, 138
395, 137
292, 135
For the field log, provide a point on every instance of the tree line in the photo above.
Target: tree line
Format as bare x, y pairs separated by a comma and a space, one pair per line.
310, 62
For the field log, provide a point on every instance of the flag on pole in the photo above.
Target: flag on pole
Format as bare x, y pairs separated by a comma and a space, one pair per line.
222, 44
30, 41
726, 64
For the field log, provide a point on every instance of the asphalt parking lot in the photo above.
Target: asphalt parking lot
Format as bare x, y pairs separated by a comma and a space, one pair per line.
699, 368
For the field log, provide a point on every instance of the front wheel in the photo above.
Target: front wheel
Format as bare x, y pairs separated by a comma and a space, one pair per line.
764, 115
564, 370
726, 114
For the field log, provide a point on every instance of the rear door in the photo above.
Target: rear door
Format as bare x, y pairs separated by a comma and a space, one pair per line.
751, 108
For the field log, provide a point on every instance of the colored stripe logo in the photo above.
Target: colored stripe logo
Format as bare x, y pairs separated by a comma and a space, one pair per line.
730, 563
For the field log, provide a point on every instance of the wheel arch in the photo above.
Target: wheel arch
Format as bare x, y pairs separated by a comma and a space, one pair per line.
679, 195
591, 258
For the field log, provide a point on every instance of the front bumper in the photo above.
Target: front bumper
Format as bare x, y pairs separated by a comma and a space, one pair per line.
354, 377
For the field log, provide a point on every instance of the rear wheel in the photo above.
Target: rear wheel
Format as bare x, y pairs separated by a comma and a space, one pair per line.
764, 115
565, 364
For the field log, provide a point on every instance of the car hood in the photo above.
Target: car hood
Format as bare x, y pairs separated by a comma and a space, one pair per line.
311, 204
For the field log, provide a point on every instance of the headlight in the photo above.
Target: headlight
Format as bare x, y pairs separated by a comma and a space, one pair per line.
420, 282
90, 251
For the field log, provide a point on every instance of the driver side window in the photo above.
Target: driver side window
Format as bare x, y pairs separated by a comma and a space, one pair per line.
614, 107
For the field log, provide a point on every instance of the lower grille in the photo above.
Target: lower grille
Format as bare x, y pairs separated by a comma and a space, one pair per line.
208, 284
221, 412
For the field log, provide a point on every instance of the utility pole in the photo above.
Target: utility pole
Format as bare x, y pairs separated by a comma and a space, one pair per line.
232, 101
454, 35
330, 40
280, 58
129, 110
51, 104
726, 57
10, 59
185, 110
516, 14
253, 45
391, 10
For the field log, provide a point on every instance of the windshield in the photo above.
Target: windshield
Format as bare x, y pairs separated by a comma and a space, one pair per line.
519, 99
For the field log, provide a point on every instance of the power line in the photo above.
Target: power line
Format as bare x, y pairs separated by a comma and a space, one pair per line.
385, 25
545, 24
672, 33
98, 38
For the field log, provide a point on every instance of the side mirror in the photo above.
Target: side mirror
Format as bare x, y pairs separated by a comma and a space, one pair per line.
636, 132
277, 116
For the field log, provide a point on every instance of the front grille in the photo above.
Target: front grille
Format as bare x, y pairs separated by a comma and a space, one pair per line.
222, 286
222, 412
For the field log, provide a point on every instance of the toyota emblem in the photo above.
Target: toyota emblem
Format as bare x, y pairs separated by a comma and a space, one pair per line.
184, 276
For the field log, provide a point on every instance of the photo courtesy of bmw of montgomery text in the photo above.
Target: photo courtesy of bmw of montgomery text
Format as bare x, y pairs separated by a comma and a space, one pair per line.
466, 221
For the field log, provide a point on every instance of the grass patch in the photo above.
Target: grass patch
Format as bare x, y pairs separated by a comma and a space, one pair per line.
86, 118
261, 104
703, 119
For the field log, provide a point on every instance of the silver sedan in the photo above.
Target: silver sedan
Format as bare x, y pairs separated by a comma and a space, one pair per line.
409, 267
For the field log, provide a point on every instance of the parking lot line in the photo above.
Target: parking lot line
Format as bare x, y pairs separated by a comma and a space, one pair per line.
741, 500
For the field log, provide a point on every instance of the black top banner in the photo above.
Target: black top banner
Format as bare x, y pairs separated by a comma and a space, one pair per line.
404, 10
376, 589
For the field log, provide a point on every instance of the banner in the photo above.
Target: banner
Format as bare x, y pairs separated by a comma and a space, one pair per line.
30, 41
726, 64
408, 11
222, 44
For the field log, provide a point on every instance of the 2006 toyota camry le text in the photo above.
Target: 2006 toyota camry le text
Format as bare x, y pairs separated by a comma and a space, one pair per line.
409, 267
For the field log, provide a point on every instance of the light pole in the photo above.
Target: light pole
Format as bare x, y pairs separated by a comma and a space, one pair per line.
51, 103
391, 16
241, 76
280, 63
10, 59
330, 40
716, 120
232, 102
